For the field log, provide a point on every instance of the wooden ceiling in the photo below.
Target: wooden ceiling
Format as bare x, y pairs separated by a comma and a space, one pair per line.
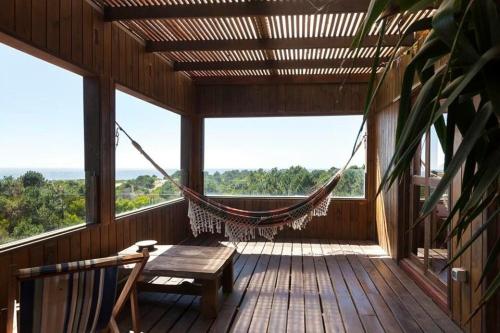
258, 41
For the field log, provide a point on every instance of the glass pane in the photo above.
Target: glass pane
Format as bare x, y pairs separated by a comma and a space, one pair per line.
422, 164
285, 156
42, 182
438, 251
417, 234
437, 155
157, 130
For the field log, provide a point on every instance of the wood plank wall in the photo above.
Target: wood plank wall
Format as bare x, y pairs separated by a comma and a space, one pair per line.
72, 34
389, 215
346, 219
383, 129
280, 99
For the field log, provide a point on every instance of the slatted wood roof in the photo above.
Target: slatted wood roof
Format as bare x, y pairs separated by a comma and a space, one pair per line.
238, 40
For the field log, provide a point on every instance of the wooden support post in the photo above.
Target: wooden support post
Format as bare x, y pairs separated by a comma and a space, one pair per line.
107, 166
186, 144
99, 119
192, 136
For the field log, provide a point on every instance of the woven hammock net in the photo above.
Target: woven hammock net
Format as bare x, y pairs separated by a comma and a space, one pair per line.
207, 215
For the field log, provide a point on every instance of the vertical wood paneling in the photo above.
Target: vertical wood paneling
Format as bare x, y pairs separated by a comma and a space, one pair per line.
36, 256
85, 252
63, 249
23, 19
75, 246
98, 42
280, 99
386, 204
39, 25
65, 29
95, 242
76, 31
340, 222
87, 35
8, 14
53, 25
104, 239
50, 252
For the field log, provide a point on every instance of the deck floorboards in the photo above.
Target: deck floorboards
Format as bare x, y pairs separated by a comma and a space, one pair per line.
302, 286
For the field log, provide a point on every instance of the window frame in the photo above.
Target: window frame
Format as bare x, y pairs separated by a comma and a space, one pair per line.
90, 186
427, 182
281, 197
146, 99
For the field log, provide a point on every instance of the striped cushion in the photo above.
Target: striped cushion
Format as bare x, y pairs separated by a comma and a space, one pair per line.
75, 302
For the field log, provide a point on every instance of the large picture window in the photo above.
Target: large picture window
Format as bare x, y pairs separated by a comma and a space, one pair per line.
282, 156
42, 186
138, 185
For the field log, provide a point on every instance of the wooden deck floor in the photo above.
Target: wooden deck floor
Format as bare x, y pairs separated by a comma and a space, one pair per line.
303, 286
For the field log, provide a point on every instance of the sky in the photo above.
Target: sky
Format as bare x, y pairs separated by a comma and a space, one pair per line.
312, 142
41, 113
157, 130
41, 126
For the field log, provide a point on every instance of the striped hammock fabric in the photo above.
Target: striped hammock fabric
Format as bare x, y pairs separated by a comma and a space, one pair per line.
207, 215
74, 302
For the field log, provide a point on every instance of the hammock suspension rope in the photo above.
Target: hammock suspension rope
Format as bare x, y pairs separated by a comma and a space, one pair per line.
207, 215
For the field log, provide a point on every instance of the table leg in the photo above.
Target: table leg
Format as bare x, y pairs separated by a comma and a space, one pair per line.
227, 278
209, 298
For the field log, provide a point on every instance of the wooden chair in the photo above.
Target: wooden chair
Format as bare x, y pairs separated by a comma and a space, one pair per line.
74, 297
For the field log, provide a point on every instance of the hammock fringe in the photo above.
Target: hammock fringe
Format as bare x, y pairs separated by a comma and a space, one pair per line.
237, 229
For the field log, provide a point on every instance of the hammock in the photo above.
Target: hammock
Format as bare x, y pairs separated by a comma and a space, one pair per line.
206, 215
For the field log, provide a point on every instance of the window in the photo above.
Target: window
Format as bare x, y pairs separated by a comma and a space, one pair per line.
428, 249
42, 186
138, 184
281, 156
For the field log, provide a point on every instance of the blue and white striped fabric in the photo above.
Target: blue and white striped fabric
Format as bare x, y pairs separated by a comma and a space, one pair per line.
73, 302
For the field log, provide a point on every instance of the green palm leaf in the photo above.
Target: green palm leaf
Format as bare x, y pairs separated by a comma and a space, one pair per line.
464, 36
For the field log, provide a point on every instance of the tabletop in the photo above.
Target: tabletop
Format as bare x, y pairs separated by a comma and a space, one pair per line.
186, 261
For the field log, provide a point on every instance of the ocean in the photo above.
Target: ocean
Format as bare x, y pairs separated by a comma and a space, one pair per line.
68, 174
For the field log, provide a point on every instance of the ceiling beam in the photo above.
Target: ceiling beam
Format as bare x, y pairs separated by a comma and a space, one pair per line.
281, 79
235, 9
268, 44
273, 64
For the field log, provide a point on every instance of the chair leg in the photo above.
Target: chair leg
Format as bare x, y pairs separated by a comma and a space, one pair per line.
134, 304
112, 326
130, 287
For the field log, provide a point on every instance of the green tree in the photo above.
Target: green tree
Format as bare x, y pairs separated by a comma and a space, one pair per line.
33, 179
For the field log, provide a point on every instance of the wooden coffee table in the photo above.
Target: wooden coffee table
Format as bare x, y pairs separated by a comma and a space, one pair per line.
209, 267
